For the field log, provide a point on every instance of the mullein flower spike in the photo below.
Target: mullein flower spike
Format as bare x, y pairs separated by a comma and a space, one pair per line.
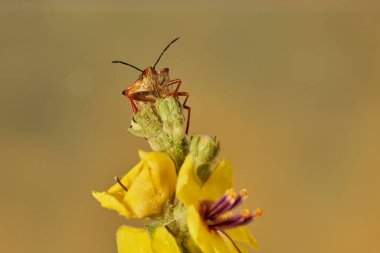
180, 187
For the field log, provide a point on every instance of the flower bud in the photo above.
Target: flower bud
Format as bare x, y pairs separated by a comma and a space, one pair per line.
170, 113
161, 124
204, 149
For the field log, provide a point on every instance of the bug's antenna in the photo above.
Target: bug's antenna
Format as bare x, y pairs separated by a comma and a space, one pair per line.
166, 48
130, 65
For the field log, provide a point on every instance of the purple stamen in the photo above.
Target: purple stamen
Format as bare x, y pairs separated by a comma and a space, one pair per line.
227, 220
240, 199
225, 208
245, 221
233, 223
221, 208
218, 202
211, 212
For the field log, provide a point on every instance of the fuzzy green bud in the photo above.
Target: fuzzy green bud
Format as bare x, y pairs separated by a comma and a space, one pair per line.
161, 123
170, 112
204, 150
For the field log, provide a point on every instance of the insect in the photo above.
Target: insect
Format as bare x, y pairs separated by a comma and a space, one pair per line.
153, 84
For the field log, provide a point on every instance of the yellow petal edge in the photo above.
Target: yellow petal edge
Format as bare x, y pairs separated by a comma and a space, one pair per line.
163, 242
133, 240
150, 183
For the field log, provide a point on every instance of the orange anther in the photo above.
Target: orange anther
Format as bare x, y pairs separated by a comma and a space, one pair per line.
245, 213
244, 192
231, 193
258, 212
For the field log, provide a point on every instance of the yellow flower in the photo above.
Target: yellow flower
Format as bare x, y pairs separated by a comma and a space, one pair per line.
135, 240
144, 189
210, 223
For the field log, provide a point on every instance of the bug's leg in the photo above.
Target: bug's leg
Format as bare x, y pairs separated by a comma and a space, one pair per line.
129, 96
143, 96
185, 94
139, 96
188, 117
171, 82
188, 108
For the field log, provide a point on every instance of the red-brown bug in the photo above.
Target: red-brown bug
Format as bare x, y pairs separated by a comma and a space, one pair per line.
153, 84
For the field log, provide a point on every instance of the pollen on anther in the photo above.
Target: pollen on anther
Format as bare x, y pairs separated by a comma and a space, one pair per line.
244, 192
231, 193
258, 212
245, 213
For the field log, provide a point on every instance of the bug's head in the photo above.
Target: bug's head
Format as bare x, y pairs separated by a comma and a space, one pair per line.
149, 72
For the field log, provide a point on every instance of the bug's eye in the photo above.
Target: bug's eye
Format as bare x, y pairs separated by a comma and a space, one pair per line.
123, 93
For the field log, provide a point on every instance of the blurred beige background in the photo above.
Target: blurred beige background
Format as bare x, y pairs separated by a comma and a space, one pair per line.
291, 89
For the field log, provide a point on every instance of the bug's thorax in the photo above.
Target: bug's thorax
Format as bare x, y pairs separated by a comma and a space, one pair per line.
150, 80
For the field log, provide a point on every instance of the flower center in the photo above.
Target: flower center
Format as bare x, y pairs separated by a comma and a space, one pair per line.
212, 212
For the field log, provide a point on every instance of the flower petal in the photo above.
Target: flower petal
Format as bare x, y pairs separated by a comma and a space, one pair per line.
163, 242
188, 188
242, 234
199, 231
221, 243
209, 241
242, 248
153, 186
149, 184
220, 180
126, 180
164, 175
113, 197
132, 240
110, 202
